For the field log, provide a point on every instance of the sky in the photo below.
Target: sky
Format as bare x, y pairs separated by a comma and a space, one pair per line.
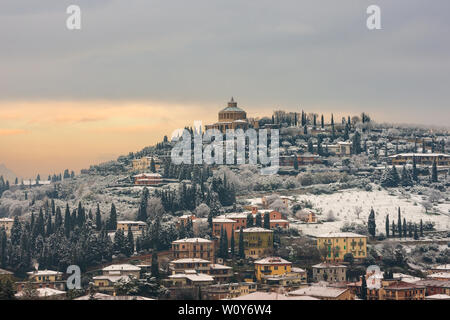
139, 69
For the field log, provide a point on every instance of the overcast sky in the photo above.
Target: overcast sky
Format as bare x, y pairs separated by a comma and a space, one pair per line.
189, 57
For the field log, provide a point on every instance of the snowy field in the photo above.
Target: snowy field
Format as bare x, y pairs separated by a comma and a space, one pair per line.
346, 204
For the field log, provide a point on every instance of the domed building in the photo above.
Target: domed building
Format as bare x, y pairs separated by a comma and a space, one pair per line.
232, 117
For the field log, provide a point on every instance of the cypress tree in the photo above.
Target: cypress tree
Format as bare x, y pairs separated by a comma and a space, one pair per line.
393, 229
155, 265
113, 218
250, 220
434, 172
130, 242
266, 221
399, 224
363, 288
387, 226
371, 225
98, 218
258, 220
67, 221
414, 170
241, 243
405, 228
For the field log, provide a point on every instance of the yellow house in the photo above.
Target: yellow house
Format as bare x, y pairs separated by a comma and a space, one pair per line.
271, 266
338, 244
41, 276
257, 241
6, 223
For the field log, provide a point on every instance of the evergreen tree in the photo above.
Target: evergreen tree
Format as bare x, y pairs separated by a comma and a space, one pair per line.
416, 236
322, 123
414, 170
58, 219
295, 162
250, 220
152, 166
155, 265
119, 242
266, 221
434, 172
130, 242
399, 224
371, 225
232, 244
98, 218
241, 243
405, 228
67, 221
406, 179
113, 218
16, 231
393, 229
258, 220
387, 226
363, 288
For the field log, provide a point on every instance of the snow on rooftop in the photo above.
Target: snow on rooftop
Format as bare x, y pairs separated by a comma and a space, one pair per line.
193, 240
191, 260
255, 229
121, 267
341, 235
272, 260
258, 295
318, 291
44, 292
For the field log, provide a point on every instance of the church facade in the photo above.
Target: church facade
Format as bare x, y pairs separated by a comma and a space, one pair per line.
232, 117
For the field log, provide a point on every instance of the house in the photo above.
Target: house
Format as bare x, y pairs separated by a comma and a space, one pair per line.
443, 276
44, 294
265, 296
400, 290
294, 279
337, 244
257, 241
271, 266
329, 272
6, 223
136, 227
221, 224
323, 293
5, 274
113, 274
306, 216
44, 279
107, 283
440, 268
422, 159
147, 179
185, 219
103, 296
122, 270
219, 272
188, 278
193, 248
197, 264
144, 163
228, 290
435, 286
438, 297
